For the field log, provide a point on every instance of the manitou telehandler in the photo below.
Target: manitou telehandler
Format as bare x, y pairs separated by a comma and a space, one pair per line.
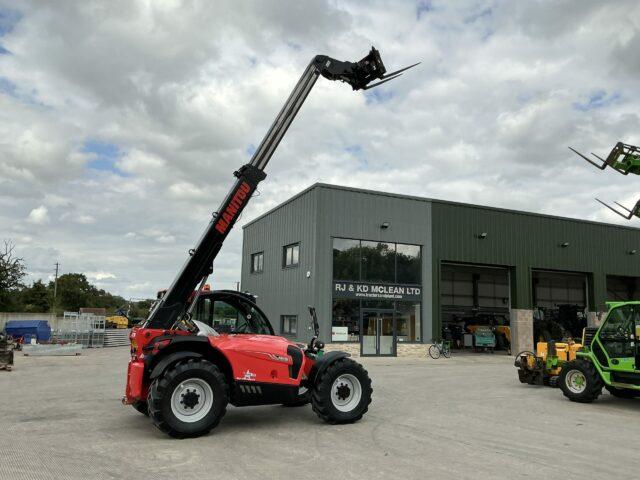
198, 351
609, 357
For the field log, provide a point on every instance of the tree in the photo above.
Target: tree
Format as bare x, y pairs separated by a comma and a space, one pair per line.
12, 271
74, 291
36, 298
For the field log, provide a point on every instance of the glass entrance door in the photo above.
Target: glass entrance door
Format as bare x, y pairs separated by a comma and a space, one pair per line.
378, 333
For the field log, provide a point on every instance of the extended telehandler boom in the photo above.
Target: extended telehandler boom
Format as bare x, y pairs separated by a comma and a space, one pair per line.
171, 308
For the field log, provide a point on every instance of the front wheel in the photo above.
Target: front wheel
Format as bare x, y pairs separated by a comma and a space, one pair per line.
188, 399
342, 394
580, 381
434, 351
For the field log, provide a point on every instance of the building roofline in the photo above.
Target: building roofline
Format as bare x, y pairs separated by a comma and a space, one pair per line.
433, 200
286, 202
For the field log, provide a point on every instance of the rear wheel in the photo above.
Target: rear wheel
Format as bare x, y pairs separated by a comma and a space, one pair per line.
189, 399
342, 394
434, 352
623, 392
580, 381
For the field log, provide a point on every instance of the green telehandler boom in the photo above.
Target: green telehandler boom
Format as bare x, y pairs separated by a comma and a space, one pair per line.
609, 357
624, 159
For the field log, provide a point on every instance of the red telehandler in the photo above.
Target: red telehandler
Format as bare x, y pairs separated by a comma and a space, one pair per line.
200, 350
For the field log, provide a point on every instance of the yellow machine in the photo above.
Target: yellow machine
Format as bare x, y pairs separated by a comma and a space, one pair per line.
117, 321
543, 366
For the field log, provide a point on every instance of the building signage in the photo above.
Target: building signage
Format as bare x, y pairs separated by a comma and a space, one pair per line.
376, 290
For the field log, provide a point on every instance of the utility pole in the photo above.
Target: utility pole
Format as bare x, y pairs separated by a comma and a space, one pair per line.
55, 287
238, 286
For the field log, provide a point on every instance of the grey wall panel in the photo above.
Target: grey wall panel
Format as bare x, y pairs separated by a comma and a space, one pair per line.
283, 291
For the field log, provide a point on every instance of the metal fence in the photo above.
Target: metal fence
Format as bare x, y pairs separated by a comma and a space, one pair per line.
85, 329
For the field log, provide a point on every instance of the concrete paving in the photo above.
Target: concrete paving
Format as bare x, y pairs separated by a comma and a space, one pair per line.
463, 418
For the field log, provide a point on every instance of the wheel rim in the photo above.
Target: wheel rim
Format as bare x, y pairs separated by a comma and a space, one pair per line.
192, 400
434, 352
346, 392
576, 381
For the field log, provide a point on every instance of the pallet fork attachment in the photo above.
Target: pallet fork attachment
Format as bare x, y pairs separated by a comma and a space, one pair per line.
624, 159
635, 212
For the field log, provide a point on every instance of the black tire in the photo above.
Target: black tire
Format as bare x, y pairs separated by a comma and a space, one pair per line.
622, 392
434, 352
192, 372
322, 397
301, 400
592, 383
141, 406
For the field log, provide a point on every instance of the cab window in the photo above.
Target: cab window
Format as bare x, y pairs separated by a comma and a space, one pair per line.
617, 333
228, 319
231, 315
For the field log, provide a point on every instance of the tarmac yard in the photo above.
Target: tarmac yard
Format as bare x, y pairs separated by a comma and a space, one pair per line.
465, 418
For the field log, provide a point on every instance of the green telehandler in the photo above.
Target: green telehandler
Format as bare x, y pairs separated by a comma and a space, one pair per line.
609, 357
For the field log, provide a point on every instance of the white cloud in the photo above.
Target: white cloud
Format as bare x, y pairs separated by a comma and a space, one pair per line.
39, 215
100, 276
182, 90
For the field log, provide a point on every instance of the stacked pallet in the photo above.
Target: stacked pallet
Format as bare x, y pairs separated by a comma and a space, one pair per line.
116, 337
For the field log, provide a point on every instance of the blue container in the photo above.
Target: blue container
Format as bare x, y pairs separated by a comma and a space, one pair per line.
28, 329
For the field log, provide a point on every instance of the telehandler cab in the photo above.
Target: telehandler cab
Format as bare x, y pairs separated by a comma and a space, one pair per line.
200, 350
609, 357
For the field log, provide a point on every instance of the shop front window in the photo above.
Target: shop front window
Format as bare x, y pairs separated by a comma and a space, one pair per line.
346, 259
408, 322
408, 264
378, 262
345, 324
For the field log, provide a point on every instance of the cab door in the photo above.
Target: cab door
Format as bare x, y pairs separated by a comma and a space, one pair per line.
616, 347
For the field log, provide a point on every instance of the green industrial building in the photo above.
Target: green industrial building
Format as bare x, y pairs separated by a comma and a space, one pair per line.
389, 273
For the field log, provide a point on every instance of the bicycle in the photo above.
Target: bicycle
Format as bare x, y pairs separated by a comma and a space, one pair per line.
440, 348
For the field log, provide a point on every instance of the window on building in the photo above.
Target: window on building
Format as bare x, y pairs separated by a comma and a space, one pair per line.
378, 261
368, 261
408, 322
345, 324
408, 264
288, 324
257, 262
346, 259
291, 255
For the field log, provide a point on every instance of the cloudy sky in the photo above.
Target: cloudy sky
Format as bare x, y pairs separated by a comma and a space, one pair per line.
121, 121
